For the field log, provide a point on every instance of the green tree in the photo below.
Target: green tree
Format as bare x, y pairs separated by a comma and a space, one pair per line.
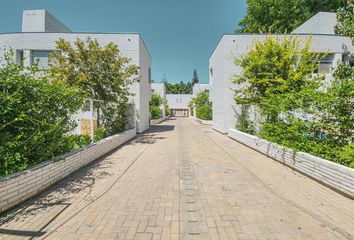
155, 103
179, 88
202, 104
280, 16
277, 80
35, 117
345, 20
100, 72
195, 78
336, 107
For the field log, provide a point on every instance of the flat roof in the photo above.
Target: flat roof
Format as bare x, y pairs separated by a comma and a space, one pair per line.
274, 34
116, 33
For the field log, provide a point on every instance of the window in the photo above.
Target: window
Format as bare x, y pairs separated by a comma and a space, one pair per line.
325, 67
19, 56
325, 64
41, 57
149, 75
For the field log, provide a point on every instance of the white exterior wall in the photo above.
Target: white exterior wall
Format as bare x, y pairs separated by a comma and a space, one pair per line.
144, 88
160, 89
41, 21
200, 87
222, 68
130, 46
178, 101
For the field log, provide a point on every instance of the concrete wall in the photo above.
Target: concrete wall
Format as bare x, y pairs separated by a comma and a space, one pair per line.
334, 175
178, 101
144, 87
130, 45
222, 68
41, 21
18, 188
199, 87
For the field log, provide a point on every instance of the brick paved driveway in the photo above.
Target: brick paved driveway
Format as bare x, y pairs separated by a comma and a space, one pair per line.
182, 180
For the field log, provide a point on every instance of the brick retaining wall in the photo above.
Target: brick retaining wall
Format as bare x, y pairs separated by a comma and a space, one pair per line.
21, 186
334, 175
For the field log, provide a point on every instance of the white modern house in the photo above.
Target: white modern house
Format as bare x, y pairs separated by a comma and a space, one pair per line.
221, 64
40, 31
178, 103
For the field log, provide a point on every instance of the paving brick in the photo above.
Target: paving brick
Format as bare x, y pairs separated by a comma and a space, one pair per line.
140, 192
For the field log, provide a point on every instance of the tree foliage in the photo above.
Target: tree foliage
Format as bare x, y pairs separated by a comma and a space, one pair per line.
179, 88
297, 109
34, 117
100, 73
195, 78
155, 103
202, 104
345, 20
280, 16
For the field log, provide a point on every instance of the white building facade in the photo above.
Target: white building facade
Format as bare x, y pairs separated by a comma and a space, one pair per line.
222, 67
178, 103
41, 30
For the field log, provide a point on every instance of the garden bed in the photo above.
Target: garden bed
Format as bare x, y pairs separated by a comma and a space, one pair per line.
21, 186
333, 175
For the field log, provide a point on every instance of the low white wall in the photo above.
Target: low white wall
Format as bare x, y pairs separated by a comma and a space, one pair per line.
334, 175
21, 186
204, 122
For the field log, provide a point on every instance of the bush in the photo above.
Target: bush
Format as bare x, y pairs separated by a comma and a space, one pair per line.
205, 113
156, 101
73, 142
278, 80
167, 110
100, 134
35, 117
155, 112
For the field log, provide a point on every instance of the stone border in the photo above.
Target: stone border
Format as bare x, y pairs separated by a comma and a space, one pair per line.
203, 122
21, 186
331, 174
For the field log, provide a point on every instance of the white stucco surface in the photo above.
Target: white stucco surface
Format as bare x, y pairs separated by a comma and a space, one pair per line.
41, 21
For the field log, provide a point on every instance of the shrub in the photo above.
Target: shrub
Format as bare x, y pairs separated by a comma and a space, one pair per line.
205, 113
278, 79
167, 110
202, 105
100, 133
155, 112
35, 117
156, 101
73, 142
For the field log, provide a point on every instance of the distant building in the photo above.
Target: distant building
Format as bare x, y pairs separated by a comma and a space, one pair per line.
178, 103
221, 66
40, 30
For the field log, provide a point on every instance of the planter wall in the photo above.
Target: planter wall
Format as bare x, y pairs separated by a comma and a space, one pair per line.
204, 122
336, 176
21, 186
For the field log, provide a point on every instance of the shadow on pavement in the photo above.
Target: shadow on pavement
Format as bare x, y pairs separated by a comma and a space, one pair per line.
21, 233
160, 128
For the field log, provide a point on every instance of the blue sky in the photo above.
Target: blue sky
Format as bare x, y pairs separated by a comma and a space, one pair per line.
180, 34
